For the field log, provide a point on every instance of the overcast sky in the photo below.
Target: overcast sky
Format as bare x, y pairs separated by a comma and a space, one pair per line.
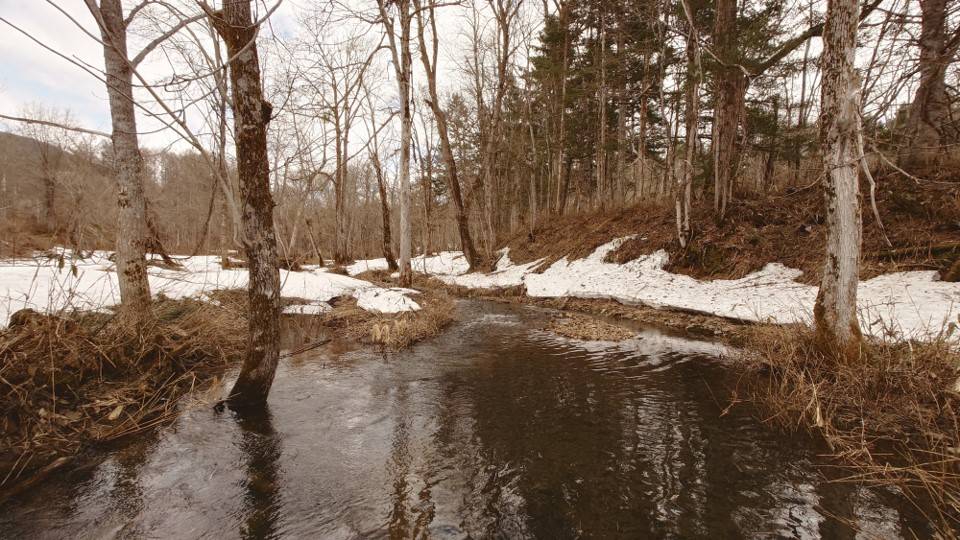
31, 74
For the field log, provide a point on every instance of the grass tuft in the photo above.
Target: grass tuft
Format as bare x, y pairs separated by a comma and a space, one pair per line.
890, 416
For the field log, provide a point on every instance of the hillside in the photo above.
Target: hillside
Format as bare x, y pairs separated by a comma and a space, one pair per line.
922, 221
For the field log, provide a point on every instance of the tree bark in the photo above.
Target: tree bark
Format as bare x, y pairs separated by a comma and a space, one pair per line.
251, 115
835, 312
128, 162
384, 214
406, 124
402, 65
930, 110
731, 87
692, 112
450, 163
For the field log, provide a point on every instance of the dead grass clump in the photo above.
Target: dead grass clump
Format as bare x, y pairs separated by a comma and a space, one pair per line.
585, 328
891, 416
66, 382
391, 331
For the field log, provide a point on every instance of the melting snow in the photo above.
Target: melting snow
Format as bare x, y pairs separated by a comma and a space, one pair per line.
902, 304
91, 283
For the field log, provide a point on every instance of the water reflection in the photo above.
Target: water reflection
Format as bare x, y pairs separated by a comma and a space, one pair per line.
260, 446
492, 430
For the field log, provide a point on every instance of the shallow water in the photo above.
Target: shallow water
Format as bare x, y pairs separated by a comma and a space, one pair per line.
492, 429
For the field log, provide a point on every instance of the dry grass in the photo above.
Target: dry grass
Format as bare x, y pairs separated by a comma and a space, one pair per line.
585, 328
68, 382
891, 416
391, 331
786, 227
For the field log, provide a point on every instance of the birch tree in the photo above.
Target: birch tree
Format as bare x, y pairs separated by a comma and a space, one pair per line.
835, 311
399, 46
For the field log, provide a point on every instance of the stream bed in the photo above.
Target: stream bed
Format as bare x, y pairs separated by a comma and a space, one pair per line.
493, 429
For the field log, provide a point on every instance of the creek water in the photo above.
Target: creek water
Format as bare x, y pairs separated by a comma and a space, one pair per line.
493, 429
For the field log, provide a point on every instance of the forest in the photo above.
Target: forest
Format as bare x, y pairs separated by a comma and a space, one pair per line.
748, 209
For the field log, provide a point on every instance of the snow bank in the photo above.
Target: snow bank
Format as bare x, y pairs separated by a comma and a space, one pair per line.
443, 263
504, 276
902, 304
91, 283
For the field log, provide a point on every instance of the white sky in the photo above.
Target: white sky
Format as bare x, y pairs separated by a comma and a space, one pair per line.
29, 74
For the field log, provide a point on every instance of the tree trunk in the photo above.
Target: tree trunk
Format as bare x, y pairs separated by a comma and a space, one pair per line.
692, 113
251, 114
406, 124
835, 312
930, 110
446, 150
131, 215
385, 215
730, 93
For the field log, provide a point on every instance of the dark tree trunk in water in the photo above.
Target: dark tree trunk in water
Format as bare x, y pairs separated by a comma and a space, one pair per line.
930, 110
835, 312
131, 215
251, 114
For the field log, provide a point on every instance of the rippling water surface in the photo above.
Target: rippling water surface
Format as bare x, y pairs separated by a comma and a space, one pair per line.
491, 430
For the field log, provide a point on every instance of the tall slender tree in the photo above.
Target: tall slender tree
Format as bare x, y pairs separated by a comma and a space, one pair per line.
128, 162
251, 112
835, 311
428, 56
399, 46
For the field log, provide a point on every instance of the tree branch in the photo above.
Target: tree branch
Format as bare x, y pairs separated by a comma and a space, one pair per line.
39, 122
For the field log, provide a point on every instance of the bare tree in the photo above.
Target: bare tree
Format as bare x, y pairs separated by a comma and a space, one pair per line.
835, 311
251, 114
428, 56
731, 85
49, 140
692, 113
131, 217
373, 150
400, 51
930, 110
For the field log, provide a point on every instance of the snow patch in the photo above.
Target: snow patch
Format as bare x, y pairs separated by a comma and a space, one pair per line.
377, 300
54, 284
899, 305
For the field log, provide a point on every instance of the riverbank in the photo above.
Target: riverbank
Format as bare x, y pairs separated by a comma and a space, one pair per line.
73, 378
889, 419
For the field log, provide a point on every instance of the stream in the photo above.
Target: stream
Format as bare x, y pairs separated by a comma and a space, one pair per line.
493, 429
